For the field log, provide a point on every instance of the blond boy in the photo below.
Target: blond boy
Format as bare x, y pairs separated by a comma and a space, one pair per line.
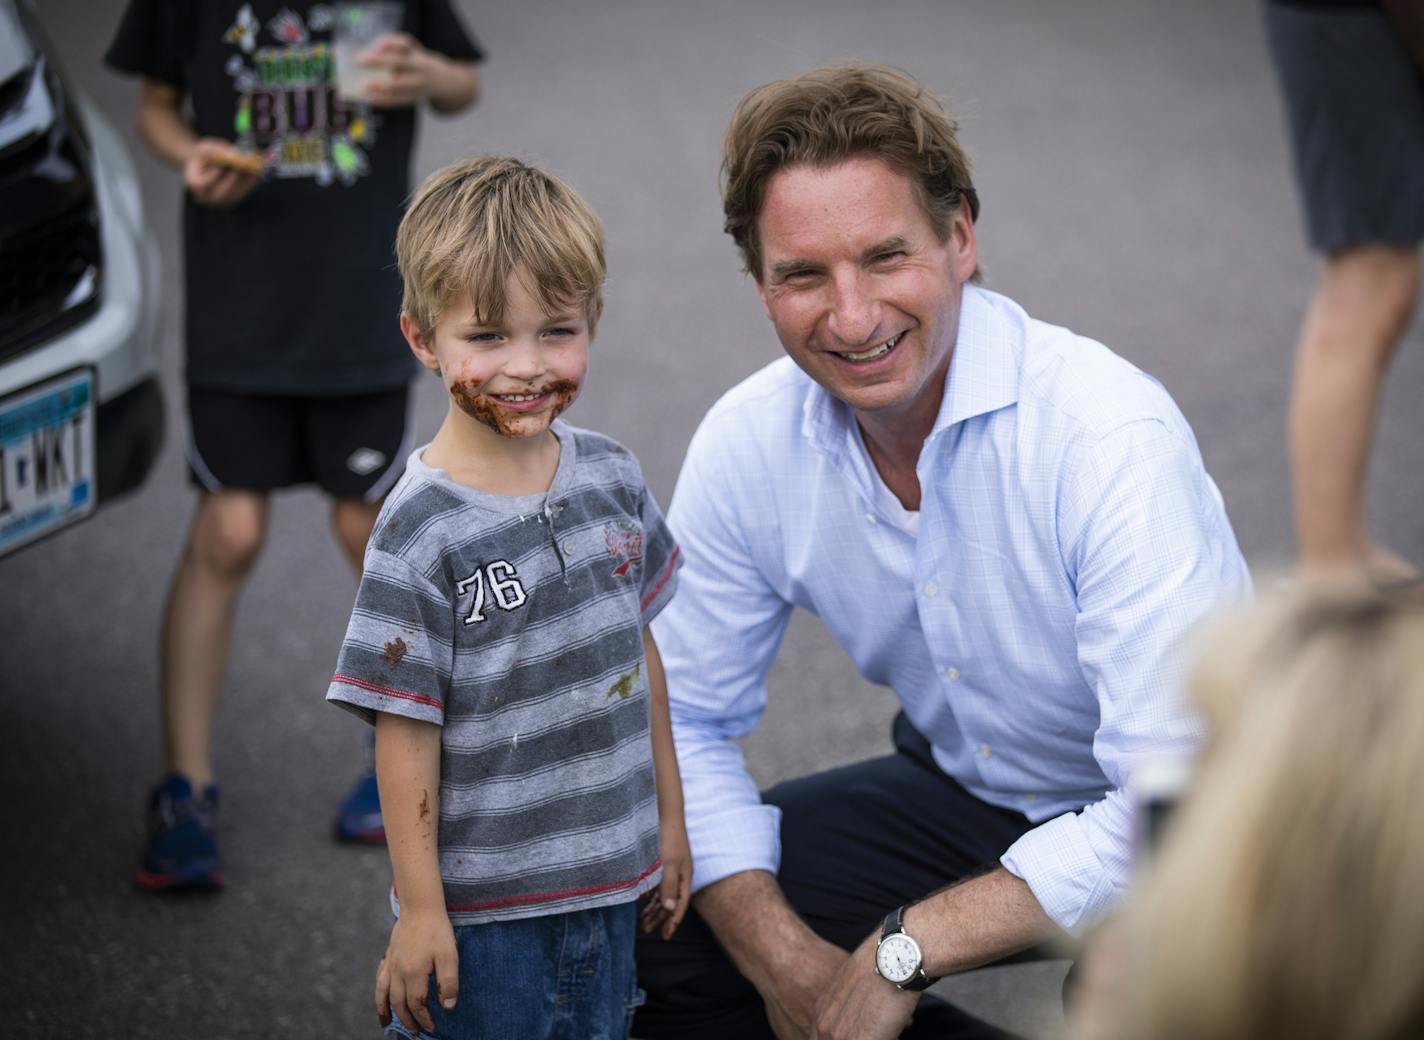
499, 640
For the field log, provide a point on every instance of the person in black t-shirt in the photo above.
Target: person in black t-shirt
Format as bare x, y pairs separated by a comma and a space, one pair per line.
296, 371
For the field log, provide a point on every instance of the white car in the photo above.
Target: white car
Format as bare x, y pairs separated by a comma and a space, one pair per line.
81, 414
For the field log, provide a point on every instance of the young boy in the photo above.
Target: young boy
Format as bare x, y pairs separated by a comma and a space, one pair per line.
293, 376
499, 640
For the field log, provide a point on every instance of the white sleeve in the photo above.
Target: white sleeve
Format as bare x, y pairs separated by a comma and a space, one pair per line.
717, 638
1146, 538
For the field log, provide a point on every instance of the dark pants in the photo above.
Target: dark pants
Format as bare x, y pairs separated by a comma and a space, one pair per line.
856, 842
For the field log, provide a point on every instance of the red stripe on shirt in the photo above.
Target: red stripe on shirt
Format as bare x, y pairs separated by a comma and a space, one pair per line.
663, 578
550, 897
386, 691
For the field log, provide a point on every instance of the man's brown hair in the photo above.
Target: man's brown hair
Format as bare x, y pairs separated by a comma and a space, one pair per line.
832, 114
474, 223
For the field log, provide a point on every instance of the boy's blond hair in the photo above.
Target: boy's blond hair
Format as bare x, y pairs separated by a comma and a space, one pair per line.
474, 223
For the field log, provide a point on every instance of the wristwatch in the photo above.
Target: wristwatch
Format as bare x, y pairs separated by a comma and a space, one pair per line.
897, 956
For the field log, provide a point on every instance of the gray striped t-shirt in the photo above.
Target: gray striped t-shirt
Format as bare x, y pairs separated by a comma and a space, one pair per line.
516, 624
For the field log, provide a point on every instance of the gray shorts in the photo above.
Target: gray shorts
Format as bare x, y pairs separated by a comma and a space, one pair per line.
1355, 106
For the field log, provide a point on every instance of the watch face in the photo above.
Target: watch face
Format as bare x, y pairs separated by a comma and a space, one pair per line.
897, 958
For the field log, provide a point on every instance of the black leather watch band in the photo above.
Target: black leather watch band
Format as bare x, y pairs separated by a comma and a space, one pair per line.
892, 923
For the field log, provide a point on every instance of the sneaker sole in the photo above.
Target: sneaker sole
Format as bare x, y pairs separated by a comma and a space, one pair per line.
203, 880
355, 837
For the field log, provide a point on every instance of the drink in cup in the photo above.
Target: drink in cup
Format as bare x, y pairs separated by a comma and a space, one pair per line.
357, 27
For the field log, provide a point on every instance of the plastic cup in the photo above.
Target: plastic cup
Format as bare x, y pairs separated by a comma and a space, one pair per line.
357, 27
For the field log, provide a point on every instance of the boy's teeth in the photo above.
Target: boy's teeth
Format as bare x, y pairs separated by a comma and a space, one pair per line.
518, 397
873, 352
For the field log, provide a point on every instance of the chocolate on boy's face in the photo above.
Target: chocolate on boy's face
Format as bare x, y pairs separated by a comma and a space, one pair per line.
513, 419
516, 375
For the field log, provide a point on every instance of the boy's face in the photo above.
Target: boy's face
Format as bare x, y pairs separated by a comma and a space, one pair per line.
514, 376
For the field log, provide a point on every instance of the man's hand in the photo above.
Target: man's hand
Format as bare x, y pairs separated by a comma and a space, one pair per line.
211, 178
791, 997
789, 964
412, 73
421, 942
860, 1005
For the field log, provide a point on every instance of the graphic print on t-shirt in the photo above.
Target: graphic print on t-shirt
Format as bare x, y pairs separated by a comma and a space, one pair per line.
625, 544
288, 109
503, 587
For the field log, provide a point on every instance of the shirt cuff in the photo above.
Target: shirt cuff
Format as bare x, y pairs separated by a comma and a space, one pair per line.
366, 699
1058, 863
735, 840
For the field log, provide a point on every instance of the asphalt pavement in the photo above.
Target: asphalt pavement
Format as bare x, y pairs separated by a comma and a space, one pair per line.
1136, 187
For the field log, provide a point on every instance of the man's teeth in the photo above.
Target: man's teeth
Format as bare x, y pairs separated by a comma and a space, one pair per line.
873, 352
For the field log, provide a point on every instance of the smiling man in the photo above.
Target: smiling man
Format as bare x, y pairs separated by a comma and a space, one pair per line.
1004, 522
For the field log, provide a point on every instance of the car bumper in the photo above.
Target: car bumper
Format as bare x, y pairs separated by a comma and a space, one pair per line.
130, 434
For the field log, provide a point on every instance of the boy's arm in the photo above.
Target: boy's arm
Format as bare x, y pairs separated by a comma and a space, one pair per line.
667, 906
415, 73
408, 775
206, 175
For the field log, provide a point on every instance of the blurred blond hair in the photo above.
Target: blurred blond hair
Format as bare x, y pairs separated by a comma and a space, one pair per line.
474, 223
1286, 898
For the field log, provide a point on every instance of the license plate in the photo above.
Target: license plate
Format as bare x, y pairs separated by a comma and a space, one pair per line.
46, 458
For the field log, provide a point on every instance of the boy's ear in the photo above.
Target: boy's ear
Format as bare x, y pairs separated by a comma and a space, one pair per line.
418, 346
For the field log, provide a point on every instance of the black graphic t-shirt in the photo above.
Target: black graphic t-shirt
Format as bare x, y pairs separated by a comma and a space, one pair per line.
294, 290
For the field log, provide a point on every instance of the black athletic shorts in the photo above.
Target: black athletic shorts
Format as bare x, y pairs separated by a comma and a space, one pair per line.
352, 446
1355, 106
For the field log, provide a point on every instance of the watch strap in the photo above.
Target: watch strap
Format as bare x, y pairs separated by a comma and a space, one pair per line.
892, 923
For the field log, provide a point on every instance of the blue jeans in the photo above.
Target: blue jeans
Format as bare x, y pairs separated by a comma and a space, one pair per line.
560, 977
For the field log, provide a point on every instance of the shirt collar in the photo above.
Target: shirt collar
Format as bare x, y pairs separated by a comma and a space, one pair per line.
983, 377
988, 356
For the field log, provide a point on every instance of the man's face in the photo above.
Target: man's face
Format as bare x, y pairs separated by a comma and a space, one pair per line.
512, 377
863, 295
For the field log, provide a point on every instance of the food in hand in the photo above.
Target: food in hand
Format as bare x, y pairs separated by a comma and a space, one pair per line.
247, 162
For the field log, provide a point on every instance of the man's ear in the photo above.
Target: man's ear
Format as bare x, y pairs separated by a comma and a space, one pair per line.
418, 346
963, 246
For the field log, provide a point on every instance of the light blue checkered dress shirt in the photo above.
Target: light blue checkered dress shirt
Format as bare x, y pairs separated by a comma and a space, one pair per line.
1030, 619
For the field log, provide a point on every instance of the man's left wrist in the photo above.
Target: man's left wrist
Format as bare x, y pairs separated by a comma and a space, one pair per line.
916, 921
899, 958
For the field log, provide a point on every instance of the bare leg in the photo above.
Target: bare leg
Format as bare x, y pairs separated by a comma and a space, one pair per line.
226, 535
359, 817
1361, 307
352, 519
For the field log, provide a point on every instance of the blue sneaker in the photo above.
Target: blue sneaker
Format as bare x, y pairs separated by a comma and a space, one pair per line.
181, 854
360, 817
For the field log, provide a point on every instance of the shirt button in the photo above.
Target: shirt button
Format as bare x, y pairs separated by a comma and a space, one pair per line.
931, 589
569, 548
871, 518
985, 751
952, 674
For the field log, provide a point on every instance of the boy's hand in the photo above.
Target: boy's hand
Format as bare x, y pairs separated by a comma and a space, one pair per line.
209, 175
410, 69
421, 942
667, 904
